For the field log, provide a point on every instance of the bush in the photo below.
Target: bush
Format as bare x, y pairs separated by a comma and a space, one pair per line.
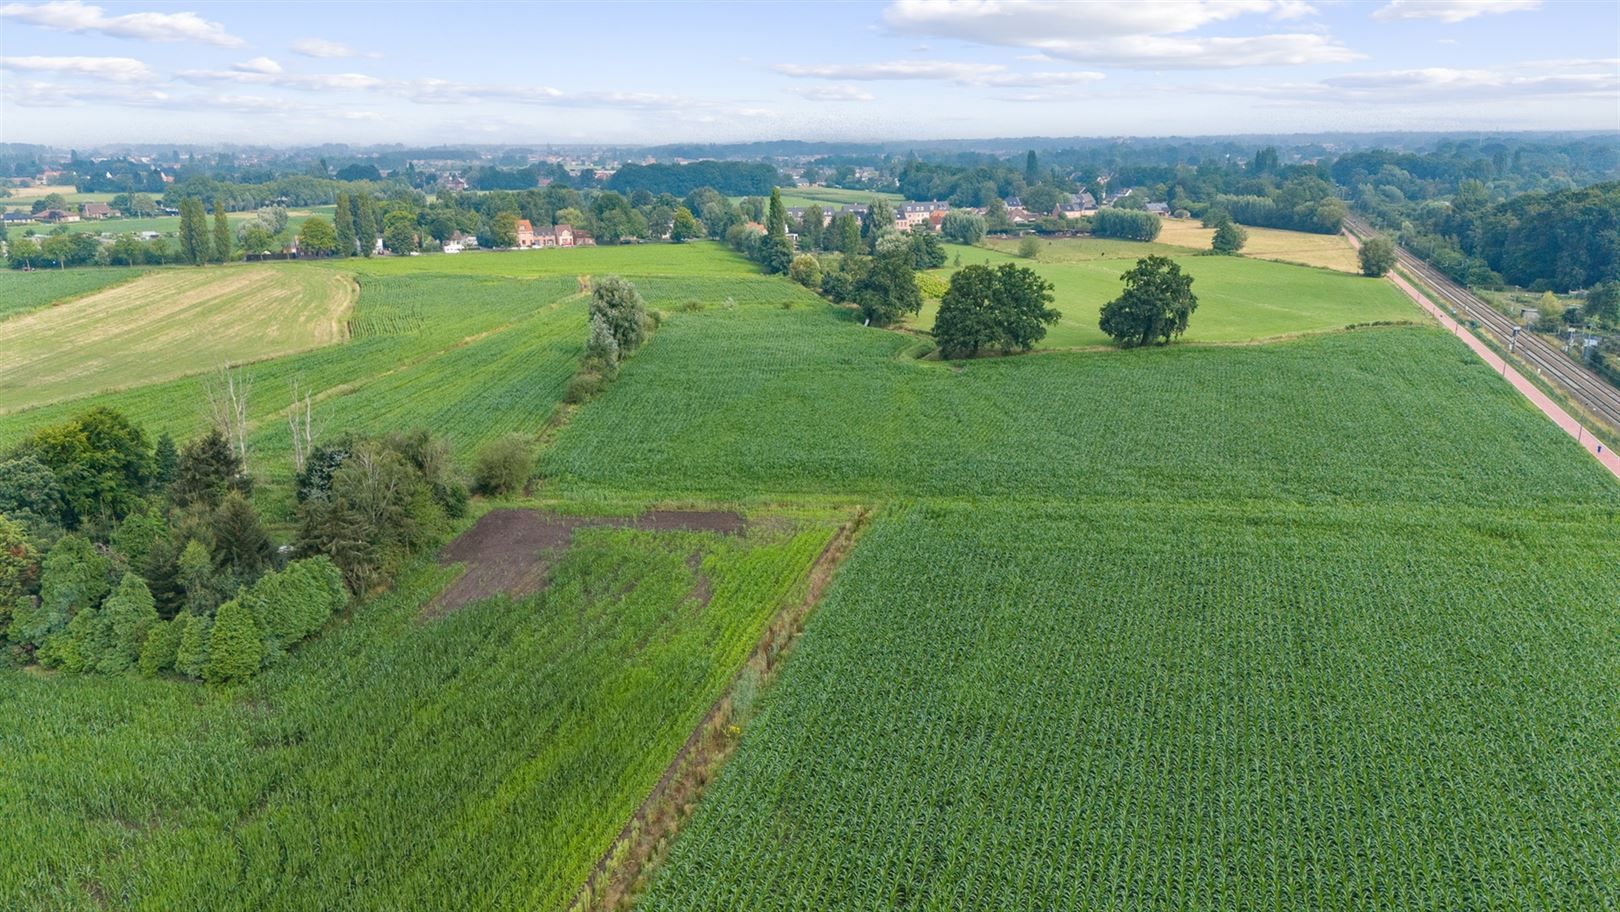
582, 387
503, 465
806, 271
162, 642
1028, 248
236, 646
191, 652
129, 615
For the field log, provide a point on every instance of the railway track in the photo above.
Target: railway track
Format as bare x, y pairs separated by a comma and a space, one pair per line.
1592, 392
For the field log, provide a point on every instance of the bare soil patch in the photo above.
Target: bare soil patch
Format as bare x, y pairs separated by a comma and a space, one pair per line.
510, 551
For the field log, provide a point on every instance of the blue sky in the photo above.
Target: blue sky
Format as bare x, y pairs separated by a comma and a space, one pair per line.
81, 73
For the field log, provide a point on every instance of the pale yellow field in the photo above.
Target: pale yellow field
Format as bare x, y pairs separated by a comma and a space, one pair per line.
169, 324
1330, 251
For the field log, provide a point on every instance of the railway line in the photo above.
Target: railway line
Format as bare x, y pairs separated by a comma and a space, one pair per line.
1592, 392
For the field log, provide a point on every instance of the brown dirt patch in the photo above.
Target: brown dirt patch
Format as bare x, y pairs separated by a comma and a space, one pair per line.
511, 551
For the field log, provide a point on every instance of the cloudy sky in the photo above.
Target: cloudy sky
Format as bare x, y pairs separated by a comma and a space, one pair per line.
75, 72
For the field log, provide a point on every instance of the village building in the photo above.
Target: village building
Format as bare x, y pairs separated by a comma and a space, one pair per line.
97, 211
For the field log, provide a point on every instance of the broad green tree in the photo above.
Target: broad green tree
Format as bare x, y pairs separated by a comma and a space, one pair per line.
618, 303
1006, 306
962, 227
317, 238
1377, 256
1155, 306
684, 226
888, 289
503, 230
235, 646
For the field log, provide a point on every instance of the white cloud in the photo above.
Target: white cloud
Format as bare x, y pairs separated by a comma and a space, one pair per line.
896, 69
832, 93
313, 82
116, 69
1141, 35
1443, 86
257, 65
75, 16
976, 74
326, 50
1451, 11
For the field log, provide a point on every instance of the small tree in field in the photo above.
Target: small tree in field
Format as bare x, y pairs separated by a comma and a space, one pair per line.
1377, 256
1005, 306
317, 237
1155, 307
619, 305
1028, 248
1228, 239
806, 270
503, 465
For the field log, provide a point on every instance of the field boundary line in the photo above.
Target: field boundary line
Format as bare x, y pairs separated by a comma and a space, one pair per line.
648, 834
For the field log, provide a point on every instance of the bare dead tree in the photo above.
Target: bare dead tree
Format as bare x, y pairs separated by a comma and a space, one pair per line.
228, 406
301, 421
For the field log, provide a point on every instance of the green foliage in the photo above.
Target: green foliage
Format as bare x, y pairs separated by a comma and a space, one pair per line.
73, 579
165, 460
30, 495
1377, 256
101, 460
1228, 239
1029, 247
618, 303
161, 646
1155, 306
1125, 224
503, 465
235, 645
203, 587
1603, 302
195, 244
685, 226
241, 547
962, 227
129, 615
208, 469
317, 238
221, 245
887, 290
806, 270
191, 652
1005, 306
601, 348
19, 571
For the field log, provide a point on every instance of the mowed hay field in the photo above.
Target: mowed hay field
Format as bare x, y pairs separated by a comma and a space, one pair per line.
1239, 299
168, 324
1329, 251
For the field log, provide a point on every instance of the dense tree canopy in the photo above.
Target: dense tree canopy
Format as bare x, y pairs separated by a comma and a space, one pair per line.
1155, 306
1005, 306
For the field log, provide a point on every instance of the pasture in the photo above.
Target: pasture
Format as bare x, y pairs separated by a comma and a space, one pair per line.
1328, 251
22, 291
168, 324
1239, 299
483, 758
698, 258
833, 197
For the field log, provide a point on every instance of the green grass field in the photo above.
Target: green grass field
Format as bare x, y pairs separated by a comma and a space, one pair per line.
168, 324
1328, 251
1239, 299
21, 292
1317, 623
484, 759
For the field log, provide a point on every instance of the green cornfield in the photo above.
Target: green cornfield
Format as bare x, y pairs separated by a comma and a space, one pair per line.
1189, 708
484, 759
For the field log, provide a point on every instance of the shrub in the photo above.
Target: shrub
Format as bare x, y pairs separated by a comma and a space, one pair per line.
162, 642
503, 465
1028, 248
191, 652
236, 646
1125, 224
129, 615
805, 270
582, 387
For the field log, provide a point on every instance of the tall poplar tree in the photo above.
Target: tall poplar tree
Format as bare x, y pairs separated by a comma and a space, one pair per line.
222, 234
343, 222
194, 231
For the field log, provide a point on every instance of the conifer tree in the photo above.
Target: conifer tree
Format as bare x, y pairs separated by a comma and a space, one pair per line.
236, 647
343, 222
222, 235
